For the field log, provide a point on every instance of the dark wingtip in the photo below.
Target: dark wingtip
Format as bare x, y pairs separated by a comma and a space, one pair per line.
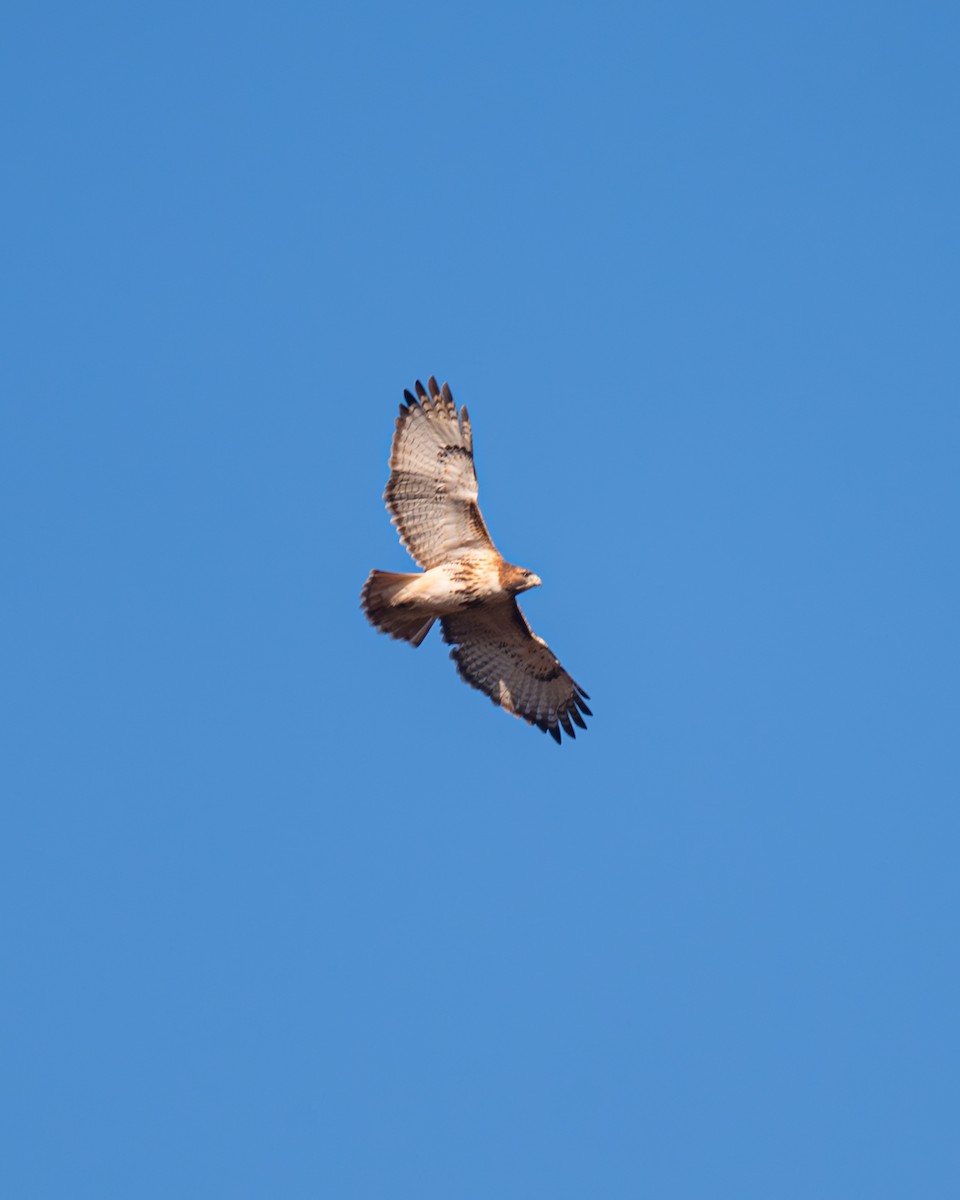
554, 731
432, 385
421, 390
408, 397
584, 708
446, 393
575, 715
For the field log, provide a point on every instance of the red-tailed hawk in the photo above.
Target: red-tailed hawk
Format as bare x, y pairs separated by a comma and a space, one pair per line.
466, 584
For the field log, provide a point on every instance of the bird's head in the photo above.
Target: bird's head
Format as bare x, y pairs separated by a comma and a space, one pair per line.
518, 579
532, 580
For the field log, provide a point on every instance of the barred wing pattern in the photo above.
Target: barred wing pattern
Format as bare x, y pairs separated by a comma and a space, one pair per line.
432, 491
497, 652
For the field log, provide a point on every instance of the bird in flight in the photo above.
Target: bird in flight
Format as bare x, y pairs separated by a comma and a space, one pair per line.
466, 583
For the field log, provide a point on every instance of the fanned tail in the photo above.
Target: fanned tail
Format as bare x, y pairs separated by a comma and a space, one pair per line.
377, 602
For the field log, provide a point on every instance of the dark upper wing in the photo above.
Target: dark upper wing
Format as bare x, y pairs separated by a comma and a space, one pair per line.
496, 651
432, 490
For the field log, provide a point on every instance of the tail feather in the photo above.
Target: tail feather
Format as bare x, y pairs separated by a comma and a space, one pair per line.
377, 602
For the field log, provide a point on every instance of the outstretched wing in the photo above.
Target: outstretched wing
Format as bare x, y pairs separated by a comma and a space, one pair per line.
496, 651
432, 490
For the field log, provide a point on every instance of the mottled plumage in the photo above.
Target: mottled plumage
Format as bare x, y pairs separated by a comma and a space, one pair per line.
466, 584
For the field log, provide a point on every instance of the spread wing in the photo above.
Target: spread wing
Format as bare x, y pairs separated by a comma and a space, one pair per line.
496, 651
432, 490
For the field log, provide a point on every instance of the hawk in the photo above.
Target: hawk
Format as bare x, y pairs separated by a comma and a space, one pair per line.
466, 583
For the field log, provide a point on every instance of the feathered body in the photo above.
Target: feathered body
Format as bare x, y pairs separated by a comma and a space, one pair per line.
466, 584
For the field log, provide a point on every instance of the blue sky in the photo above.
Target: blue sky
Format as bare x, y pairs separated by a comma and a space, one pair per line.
287, 909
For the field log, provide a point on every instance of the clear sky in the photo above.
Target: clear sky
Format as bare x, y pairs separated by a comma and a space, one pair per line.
287, 910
